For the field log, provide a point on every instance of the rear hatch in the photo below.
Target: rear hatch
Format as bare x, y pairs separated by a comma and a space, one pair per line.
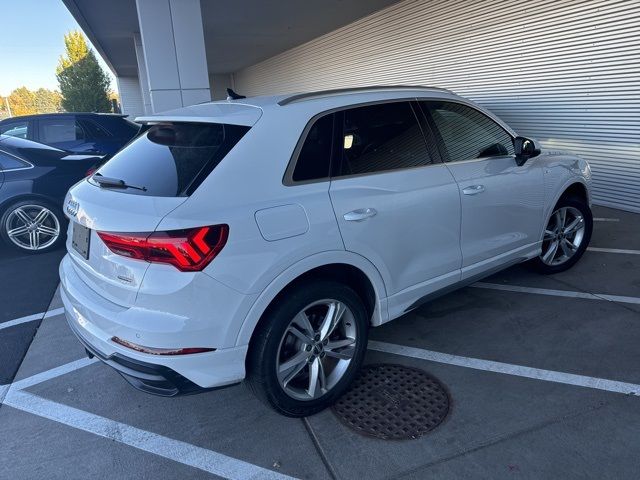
131, 194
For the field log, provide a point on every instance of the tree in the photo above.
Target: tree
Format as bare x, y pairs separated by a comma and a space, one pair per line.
83, 84
27, 102
48, 101
22, 101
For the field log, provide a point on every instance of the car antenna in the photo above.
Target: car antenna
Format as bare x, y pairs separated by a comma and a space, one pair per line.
231, 95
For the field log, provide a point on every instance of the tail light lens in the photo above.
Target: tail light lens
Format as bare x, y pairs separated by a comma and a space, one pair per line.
91, 171
188, 250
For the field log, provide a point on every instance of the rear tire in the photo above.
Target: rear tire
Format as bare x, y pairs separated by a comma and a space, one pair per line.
566, 237
32, 226
308, 348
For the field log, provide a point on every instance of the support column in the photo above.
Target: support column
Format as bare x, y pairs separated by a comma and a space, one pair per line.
172, 41
142, 74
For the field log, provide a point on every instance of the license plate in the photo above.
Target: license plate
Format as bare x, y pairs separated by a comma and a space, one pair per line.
80, 240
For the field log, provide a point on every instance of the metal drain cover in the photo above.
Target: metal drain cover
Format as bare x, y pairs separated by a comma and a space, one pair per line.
393, 402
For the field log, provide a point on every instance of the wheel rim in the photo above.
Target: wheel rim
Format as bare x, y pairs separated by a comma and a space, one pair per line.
32, 227
316, 349
563, 236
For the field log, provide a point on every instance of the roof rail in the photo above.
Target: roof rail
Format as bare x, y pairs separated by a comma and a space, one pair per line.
321, 93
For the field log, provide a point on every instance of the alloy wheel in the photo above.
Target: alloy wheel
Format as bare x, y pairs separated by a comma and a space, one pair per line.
32, 227
563, 236
316, 349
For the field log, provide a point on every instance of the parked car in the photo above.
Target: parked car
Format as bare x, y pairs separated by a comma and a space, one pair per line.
86, 133
262, 237
34, 179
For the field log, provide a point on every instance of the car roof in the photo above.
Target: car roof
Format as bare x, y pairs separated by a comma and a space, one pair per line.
247, 111
62, 114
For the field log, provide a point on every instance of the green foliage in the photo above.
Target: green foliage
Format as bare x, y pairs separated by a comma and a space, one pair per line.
48, 101
23, 101
83, 84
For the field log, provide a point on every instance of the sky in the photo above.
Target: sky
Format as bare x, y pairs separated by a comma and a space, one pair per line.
31, 41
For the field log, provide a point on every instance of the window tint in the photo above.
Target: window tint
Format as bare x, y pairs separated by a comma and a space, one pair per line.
9, 162
15, 129
56, 130
93, 130
315, 155
382, 137
467, 133
172, 159
131, 127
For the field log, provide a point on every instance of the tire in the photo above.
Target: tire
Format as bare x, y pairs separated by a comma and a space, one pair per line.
549, 262
274, 348
43, 225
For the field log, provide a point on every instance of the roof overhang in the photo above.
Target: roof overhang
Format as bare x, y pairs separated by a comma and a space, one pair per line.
237, 33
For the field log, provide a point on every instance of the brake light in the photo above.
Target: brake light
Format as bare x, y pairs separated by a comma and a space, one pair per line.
188, 250
91, 171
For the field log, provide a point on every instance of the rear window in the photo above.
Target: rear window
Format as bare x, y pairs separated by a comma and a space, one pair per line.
172, 160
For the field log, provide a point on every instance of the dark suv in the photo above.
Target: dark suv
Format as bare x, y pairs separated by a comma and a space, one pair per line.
87, 133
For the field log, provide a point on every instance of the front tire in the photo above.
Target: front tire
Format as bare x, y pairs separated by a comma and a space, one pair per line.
308, 348
32, 226
566, 236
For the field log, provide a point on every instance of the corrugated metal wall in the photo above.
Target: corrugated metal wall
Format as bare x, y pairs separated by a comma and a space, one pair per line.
566, 72
130, 96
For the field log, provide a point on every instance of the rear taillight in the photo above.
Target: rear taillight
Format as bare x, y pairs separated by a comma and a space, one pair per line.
91, 171
188, 250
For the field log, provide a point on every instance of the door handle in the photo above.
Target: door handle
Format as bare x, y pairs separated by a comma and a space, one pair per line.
360, 214
473, 190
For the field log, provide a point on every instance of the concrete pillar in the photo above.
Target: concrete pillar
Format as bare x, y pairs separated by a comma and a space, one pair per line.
142, 74
172, 41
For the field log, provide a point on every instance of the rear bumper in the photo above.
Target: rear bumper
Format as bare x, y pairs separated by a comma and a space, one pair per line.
95, 321
146, 377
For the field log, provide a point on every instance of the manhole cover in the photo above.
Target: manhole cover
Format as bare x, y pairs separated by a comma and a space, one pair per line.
393, 402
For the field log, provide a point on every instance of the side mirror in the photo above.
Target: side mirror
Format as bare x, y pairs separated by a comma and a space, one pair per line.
525, 149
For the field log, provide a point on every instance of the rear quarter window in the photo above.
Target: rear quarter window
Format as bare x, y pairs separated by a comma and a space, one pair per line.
9, 162
172, 159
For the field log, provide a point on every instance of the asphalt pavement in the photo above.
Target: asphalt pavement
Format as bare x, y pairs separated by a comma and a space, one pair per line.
27, 285
542, 373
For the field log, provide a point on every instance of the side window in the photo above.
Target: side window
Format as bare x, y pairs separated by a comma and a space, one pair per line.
315, 155
57, 130
379, 138
93, 130
467, 133
9, 162
15, 129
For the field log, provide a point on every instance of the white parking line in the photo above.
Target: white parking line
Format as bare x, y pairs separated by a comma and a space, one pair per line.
602, 219
53, 373
3, 392
507, 368
613, 250
31, 318
176, 450
557, 293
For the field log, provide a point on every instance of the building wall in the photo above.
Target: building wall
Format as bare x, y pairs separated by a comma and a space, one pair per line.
130, 96
218, 84
565, 72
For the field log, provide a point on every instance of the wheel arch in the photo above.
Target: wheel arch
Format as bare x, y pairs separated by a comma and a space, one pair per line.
574, 187
358, 272
28, 196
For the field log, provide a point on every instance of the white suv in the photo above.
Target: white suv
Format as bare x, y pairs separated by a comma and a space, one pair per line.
262, 237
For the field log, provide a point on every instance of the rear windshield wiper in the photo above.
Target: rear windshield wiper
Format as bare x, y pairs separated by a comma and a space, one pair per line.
108, 182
